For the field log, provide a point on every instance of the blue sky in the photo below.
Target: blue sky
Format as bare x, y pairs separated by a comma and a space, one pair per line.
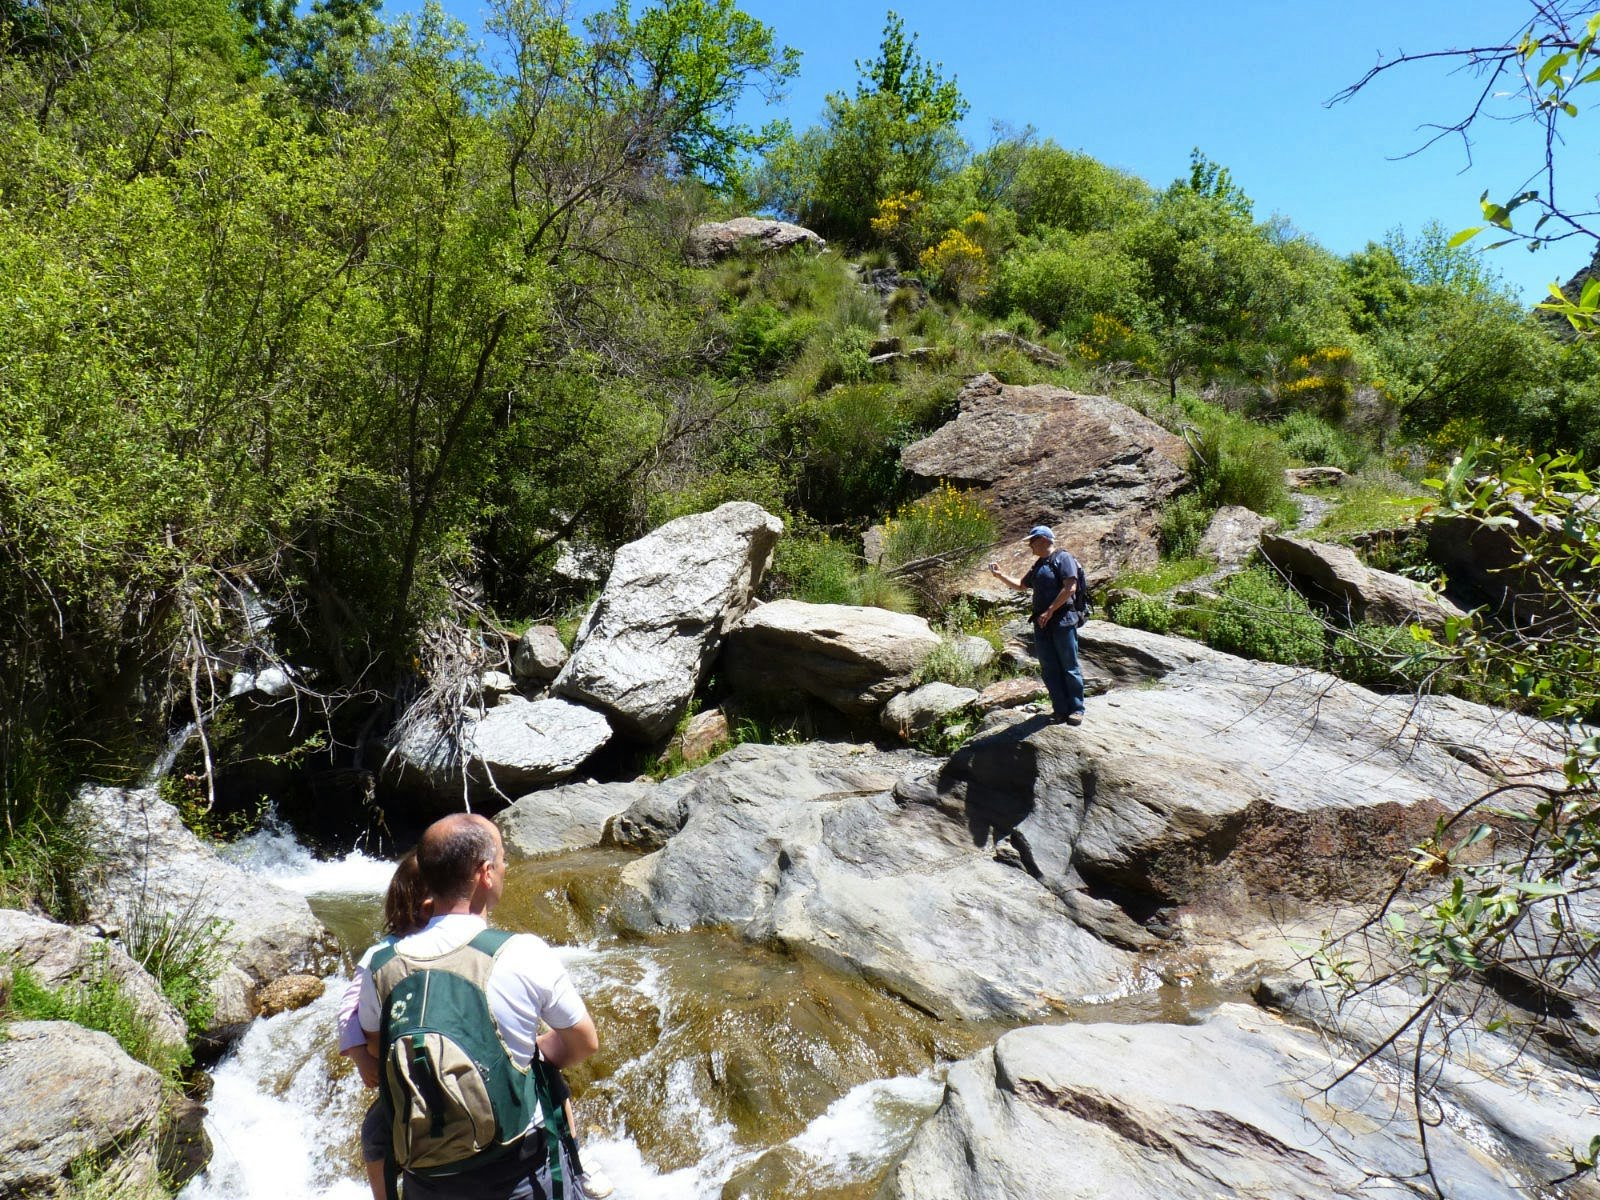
1247, 81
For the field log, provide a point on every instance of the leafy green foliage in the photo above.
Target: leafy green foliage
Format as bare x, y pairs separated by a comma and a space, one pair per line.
947, 523
897, 133
100, 1003
1259, 617
1139, 611
183, 952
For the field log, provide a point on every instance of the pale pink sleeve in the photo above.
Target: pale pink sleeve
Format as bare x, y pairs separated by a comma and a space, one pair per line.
351, 1034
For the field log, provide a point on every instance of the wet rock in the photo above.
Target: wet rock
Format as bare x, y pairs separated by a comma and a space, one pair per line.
185, 1147
1093, 469
72, 1093
1232, 1106
911, 713
807, 846
149, 867
649, 641
539, 655
63, 956
289, 993
716, 240
569, 817
1335, 575
851, 658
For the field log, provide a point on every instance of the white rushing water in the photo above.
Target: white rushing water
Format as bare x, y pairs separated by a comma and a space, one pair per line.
285, 1109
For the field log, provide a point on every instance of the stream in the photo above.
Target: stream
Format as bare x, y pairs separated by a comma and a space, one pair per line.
725, 1070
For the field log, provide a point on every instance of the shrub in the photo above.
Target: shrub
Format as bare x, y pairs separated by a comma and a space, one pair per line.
1259, 617
1236, 462
875, 588
1166, 575
1065, 281
946, 664
1138, 611
817, 570
947, 521
1183, 522
183, 952
1310, 440
762, 484
1385, 658
763, 339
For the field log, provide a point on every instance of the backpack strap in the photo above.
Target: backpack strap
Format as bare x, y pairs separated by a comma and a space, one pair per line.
553, 1116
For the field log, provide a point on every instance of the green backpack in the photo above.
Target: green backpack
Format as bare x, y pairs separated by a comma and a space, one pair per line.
454, 1096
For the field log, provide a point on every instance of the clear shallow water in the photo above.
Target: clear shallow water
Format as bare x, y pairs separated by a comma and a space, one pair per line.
725, 1069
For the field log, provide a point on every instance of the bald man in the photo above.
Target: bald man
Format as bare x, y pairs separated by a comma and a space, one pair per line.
463, 866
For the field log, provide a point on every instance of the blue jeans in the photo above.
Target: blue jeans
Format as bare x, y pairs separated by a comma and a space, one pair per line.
1058, 663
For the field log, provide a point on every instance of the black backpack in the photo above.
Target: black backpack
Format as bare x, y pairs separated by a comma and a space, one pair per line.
1080, 596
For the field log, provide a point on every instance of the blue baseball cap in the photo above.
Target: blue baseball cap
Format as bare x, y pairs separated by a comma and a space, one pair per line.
1043, 531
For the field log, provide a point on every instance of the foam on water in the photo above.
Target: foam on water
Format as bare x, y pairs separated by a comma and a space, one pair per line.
281, 1123
273, 853
868, 1127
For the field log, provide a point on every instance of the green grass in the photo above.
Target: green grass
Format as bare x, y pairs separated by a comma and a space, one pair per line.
1165, 576
100, 1003
1366, 503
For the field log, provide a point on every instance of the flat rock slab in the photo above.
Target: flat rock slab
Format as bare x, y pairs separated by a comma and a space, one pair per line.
70, 1093
1230, 1107
1091, 468
850, 657
150, 867
649, 641
806, 846
1233, 781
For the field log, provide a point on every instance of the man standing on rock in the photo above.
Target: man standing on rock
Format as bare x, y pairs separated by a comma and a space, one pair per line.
463, 866
1054, 580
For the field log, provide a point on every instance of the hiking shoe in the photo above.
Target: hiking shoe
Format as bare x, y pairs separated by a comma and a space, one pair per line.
1073, 718
594, 1185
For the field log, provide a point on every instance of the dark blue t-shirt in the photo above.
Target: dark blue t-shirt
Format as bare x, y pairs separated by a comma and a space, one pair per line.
1047, 577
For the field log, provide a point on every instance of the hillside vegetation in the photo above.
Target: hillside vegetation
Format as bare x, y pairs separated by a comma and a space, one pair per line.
361, 323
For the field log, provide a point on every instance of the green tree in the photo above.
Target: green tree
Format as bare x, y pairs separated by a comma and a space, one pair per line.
897, 133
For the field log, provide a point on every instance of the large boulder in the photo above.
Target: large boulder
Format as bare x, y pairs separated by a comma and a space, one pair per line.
1242, 1104
72, 1094
648, 642
1229, 783
516, 744
539, 655
521, 743
1093, 469
1234, 535
148, 868
62, 956
1336, 576
850, 657
716, 240
570, 817
806, 846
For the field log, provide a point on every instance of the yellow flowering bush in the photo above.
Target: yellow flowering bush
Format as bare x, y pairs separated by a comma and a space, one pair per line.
1110, 340
945, 521
957, 266
1321, 381
899, 222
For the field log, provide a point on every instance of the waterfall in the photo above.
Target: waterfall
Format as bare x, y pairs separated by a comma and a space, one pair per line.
285, 1110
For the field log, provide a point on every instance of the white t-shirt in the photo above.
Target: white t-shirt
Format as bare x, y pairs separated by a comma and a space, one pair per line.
527, 983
